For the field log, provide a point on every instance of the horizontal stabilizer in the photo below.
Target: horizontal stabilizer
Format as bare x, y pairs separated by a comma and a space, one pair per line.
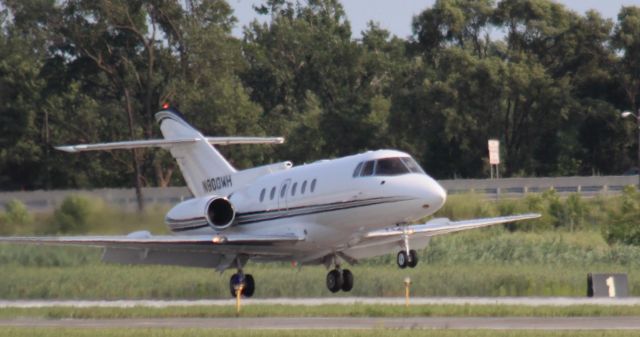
166, 143
244, 140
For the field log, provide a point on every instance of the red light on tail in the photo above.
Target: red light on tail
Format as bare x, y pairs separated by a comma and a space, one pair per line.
165, 106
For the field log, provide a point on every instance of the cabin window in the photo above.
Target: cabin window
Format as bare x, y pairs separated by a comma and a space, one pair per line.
273, 193
264, 191
367, 169
313, 185
304, 187
283, 191
390, 167
293, 188
356, 172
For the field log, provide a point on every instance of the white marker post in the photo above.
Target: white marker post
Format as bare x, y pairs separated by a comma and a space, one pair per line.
494, 157
238, 289
407, 284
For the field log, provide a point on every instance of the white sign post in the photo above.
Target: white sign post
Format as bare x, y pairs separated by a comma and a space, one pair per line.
494, 156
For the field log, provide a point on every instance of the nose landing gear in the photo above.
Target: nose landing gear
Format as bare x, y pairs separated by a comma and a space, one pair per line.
405, 260
406, 257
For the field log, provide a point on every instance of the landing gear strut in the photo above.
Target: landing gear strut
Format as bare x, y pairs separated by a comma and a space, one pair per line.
407, 257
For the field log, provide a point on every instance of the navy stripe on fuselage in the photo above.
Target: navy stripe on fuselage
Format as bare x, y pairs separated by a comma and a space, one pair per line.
270, 215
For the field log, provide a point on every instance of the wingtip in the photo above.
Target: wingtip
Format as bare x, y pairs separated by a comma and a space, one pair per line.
66, 148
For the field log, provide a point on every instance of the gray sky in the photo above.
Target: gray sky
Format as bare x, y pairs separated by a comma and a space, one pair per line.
396, 15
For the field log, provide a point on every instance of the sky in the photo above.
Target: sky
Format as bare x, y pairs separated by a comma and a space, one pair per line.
396, 15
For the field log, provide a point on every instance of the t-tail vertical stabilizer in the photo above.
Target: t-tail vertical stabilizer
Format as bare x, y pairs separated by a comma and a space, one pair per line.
204, 169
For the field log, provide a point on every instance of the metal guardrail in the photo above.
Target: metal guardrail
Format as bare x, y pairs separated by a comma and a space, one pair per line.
519, 187
46, 201
125, 198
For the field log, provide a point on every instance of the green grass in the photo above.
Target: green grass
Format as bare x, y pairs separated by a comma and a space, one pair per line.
355, 310
151, 332
157, 282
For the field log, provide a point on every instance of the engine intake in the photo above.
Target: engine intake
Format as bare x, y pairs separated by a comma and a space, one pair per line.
220, 213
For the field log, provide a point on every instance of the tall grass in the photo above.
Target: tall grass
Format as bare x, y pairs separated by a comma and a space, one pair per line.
536, 258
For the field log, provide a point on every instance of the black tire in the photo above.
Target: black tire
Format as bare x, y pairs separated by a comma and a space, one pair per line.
347, 280
334, 281
413, 259
233, 281
249, 286
401, 259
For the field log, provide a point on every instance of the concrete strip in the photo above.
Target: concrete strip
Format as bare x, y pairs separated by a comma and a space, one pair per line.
507, 323
524, 301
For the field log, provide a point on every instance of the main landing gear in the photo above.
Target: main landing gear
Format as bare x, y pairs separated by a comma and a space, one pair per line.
244, 282
338, 279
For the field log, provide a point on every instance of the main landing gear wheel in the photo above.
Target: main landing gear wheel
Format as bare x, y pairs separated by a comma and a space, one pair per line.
403, 260
248, 282
339, 280
334, 281
347, 280
413, 259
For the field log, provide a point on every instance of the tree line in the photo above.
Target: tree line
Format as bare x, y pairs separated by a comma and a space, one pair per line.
547, 82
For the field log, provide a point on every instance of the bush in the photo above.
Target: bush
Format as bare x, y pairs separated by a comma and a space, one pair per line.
16, 214
72, 216
623, 226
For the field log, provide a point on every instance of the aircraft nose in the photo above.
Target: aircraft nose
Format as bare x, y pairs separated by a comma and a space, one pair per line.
436, 194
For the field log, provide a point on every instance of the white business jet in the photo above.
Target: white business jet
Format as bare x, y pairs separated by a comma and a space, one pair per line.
327, 212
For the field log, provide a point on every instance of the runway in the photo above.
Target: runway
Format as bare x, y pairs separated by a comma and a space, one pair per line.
494, 323
524, 301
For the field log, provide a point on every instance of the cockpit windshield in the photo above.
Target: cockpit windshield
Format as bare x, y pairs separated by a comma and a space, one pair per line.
387, 167
412, 165
390, 167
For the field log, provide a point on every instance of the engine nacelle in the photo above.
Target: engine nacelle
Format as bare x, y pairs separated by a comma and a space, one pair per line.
220, 213
216, 212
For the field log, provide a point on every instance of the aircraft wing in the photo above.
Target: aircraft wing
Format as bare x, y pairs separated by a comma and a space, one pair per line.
145, 241
217, 251
441, 226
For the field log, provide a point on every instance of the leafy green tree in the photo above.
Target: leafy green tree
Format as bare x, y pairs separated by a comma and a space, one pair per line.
461, 23
626, 40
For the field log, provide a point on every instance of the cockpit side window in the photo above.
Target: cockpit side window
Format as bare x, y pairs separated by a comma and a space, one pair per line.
368, 168
356, 172
390, 167
412, 165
